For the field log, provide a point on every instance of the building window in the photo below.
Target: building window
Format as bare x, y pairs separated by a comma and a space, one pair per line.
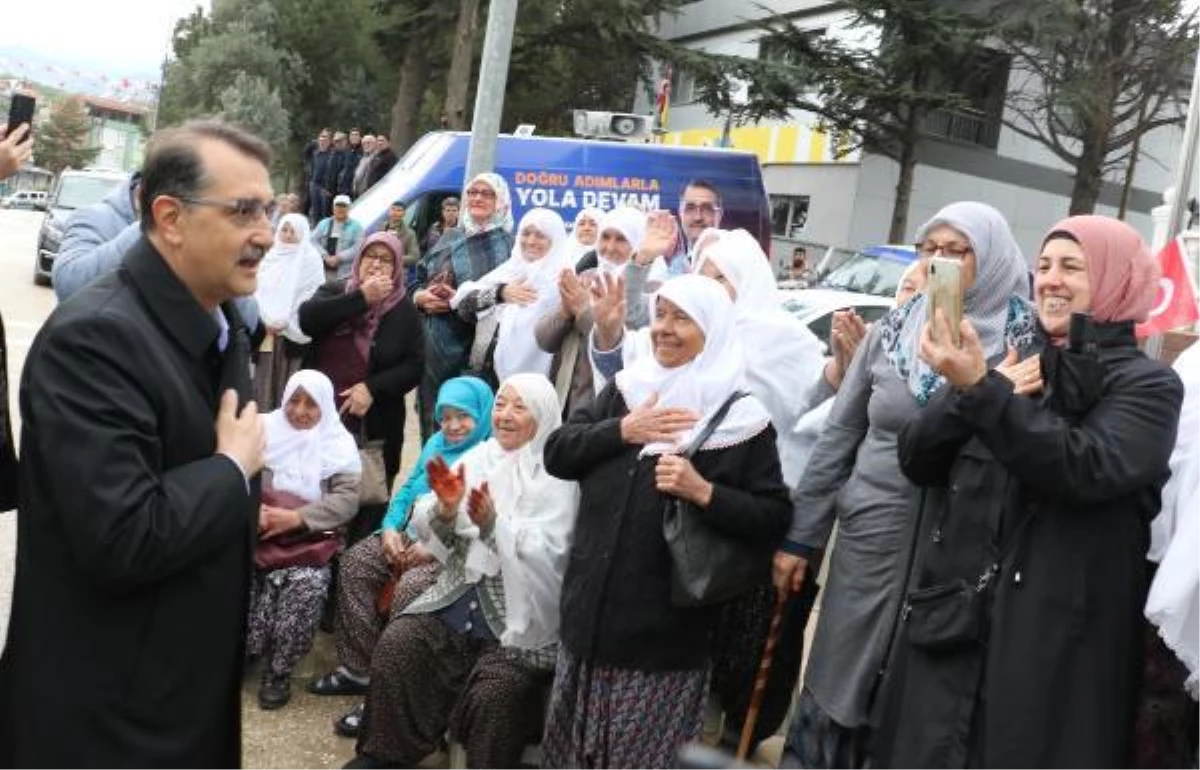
789, 214
983, 80
682, 87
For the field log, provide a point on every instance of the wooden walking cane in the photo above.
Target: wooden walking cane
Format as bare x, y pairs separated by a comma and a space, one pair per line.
764, 673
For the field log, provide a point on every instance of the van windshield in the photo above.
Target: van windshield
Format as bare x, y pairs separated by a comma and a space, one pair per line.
76, 192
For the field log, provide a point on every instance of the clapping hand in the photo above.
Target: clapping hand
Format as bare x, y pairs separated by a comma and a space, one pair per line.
447, 485
847, 334
659, 238
1026, 376
481, 508
573, 294
608, 309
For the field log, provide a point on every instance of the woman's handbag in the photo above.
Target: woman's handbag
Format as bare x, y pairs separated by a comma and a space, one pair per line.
954, 615
372, 487
298, 549
708, 566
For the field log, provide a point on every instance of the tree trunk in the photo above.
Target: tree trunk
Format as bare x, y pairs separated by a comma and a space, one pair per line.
414, 76
898, 232
458, 81
1089, 175
1134, 153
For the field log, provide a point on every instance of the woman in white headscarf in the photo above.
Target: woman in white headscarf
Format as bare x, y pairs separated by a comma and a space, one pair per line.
584, 232
309, 490
509, 300
289, 274
475, 653
631, 681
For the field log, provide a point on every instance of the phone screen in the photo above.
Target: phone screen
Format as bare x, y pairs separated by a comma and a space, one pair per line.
945, 292
21, 111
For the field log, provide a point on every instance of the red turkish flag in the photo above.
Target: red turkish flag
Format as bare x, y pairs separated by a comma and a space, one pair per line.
1175, 304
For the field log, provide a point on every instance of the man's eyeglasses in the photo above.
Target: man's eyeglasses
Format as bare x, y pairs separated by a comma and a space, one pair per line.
481, 192
952, 250
244, 211
707, 209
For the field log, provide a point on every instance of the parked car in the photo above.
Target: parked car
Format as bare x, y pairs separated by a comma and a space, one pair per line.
873, 270
25, 199
815, 308
74, 190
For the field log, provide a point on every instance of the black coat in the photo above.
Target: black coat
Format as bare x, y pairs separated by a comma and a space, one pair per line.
1056, 683
616, 596
382, 164
134, 538
8, 456
394, 366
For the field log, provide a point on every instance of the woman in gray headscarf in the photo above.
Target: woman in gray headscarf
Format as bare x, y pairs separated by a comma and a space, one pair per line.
853, 477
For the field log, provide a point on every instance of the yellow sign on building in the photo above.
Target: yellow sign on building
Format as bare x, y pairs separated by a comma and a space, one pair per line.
773, 144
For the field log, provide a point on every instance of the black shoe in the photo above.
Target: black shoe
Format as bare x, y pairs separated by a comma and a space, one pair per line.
348, 724
274, 692
335, 683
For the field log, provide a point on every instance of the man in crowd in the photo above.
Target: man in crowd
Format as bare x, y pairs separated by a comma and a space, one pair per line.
318, 187
384, 160
364, 166
338, 158
447, 221
96, 239
412, 251
138, 504
338, 237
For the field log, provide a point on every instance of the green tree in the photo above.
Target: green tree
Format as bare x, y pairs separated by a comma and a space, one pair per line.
252, 103
877, 85
64, 141
1094, 77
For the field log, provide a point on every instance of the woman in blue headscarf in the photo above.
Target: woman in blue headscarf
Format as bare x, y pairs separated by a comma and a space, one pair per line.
464, 412
482, 240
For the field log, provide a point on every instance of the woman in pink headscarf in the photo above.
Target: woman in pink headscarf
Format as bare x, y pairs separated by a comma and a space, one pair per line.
367, 339
1020, 643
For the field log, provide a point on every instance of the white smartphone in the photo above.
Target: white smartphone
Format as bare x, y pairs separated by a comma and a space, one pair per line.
945, 293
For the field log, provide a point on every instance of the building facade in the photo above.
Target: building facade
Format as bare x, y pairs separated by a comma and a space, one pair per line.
823, 198
119, 130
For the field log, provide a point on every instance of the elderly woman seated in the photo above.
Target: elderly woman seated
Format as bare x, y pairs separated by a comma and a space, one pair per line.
310, 490
475, 653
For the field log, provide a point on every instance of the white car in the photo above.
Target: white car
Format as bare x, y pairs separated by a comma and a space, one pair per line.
815, 308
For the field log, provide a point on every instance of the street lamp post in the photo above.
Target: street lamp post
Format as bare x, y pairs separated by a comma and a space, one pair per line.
489, 94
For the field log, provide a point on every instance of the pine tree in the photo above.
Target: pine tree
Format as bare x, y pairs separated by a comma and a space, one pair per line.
65, 139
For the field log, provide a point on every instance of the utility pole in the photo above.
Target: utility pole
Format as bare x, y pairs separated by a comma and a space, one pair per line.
1187, 157
489, 95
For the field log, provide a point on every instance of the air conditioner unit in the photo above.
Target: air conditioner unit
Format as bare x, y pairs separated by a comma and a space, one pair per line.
621, 126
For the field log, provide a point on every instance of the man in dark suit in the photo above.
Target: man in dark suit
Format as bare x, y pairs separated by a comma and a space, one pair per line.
138, 503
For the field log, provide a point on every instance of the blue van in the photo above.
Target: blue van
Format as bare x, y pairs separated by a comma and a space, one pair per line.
570, 174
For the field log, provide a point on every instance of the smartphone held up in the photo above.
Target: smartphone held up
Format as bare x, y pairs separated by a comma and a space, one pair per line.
20, 111
945, 293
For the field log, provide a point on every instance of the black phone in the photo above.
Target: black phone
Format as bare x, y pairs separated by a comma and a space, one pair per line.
21, 111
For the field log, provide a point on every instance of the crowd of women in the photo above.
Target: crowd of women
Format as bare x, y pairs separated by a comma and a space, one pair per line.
528, 581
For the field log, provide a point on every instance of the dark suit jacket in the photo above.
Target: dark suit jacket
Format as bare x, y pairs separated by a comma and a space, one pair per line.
8, 457
134, 538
